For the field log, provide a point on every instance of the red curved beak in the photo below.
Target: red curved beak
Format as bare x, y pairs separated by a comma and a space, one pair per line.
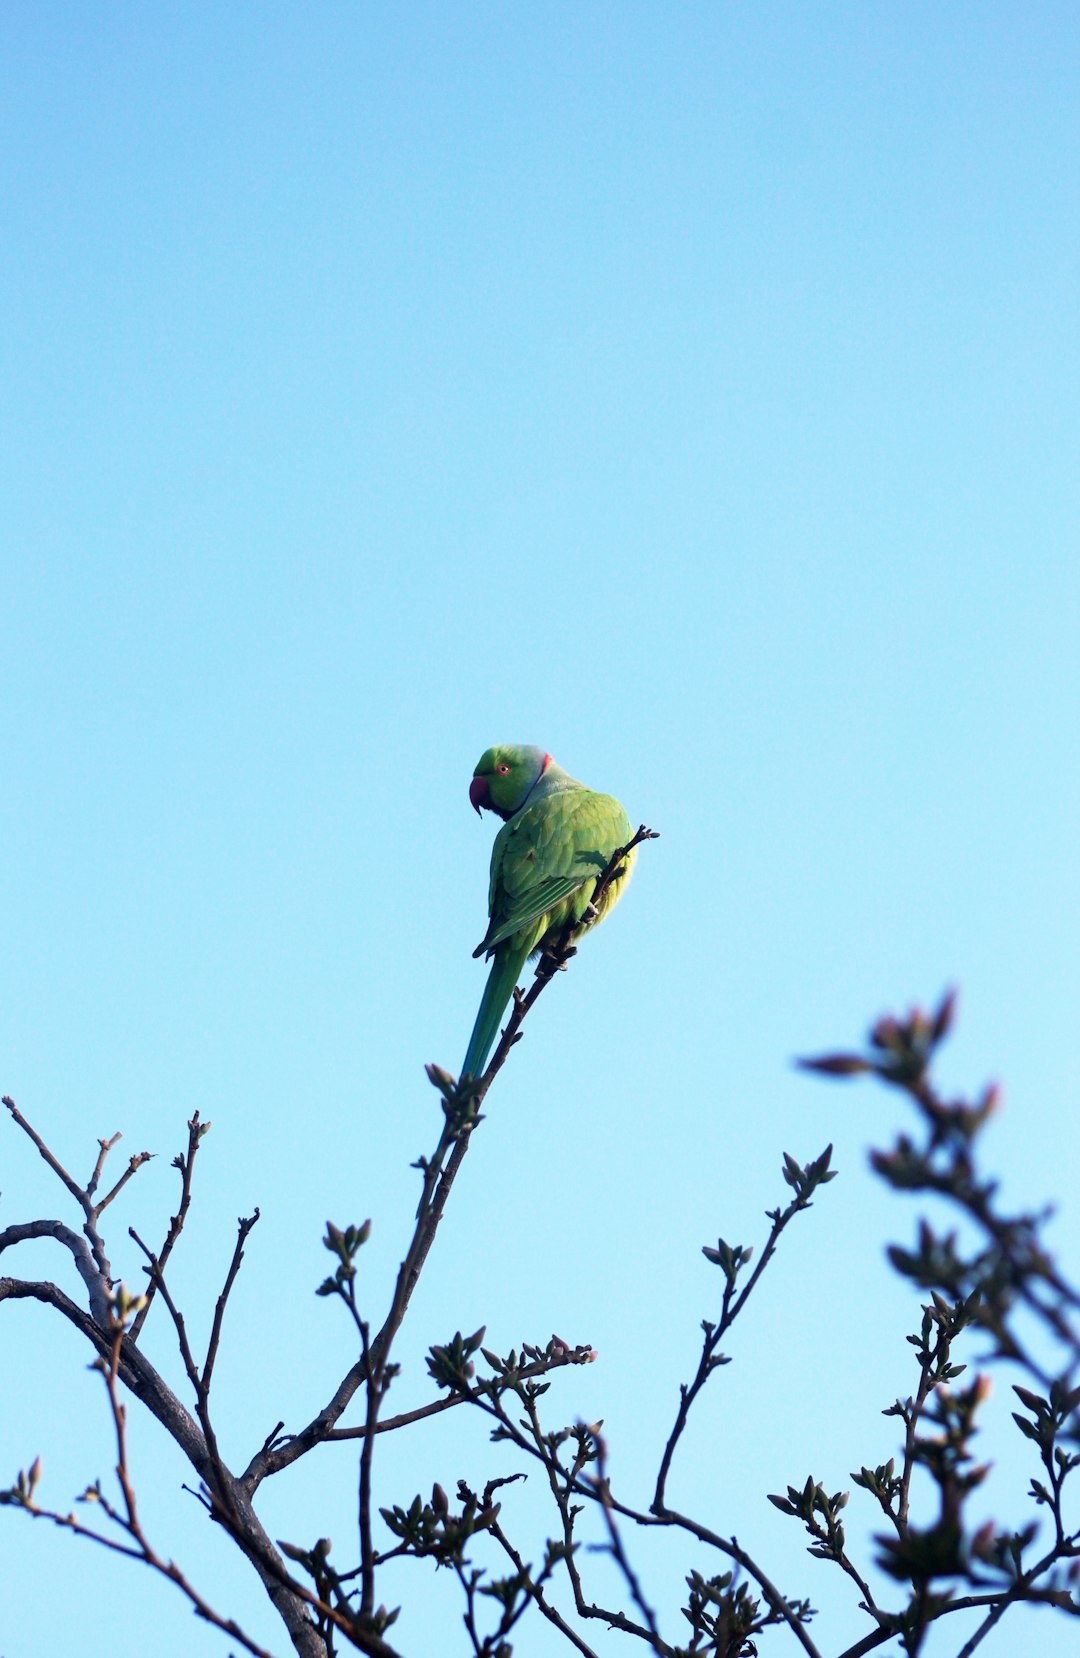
478, 793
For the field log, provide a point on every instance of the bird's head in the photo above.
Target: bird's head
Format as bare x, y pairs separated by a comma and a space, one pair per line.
505, 776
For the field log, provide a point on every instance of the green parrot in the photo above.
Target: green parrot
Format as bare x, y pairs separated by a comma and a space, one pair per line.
557, 839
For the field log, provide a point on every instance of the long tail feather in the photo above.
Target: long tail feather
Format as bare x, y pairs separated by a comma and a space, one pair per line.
506, 964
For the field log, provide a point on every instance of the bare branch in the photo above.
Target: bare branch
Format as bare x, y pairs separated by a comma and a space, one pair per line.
481, 1390
81, 1195
134, 1165
186, 1165
79, 1249
218, 1478
806, 1181
602, 1491
536, 1593
244, 1228
104, 1148
54, 1163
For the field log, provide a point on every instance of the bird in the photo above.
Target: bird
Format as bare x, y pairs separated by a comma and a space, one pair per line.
557, 839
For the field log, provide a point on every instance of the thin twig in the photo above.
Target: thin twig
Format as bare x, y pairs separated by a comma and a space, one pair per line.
157, 1277
222, 1481
243, 1230
55, 1165
731, 1306
104, 1148
564, 1484
618, 1552
480, 1390
83, 1195
134, 1165
186, 1165
376, 1388
536, 1593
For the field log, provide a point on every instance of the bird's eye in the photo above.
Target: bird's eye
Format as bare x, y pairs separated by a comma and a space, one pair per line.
502, 769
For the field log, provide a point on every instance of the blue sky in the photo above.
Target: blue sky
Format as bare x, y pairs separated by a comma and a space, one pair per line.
690, 390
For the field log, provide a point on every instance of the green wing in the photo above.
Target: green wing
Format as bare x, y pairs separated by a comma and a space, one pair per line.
546, 853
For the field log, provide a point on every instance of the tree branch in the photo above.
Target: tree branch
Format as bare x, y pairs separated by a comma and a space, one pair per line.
186, 1165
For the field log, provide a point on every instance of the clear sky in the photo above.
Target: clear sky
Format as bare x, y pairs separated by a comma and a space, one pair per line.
689, 389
